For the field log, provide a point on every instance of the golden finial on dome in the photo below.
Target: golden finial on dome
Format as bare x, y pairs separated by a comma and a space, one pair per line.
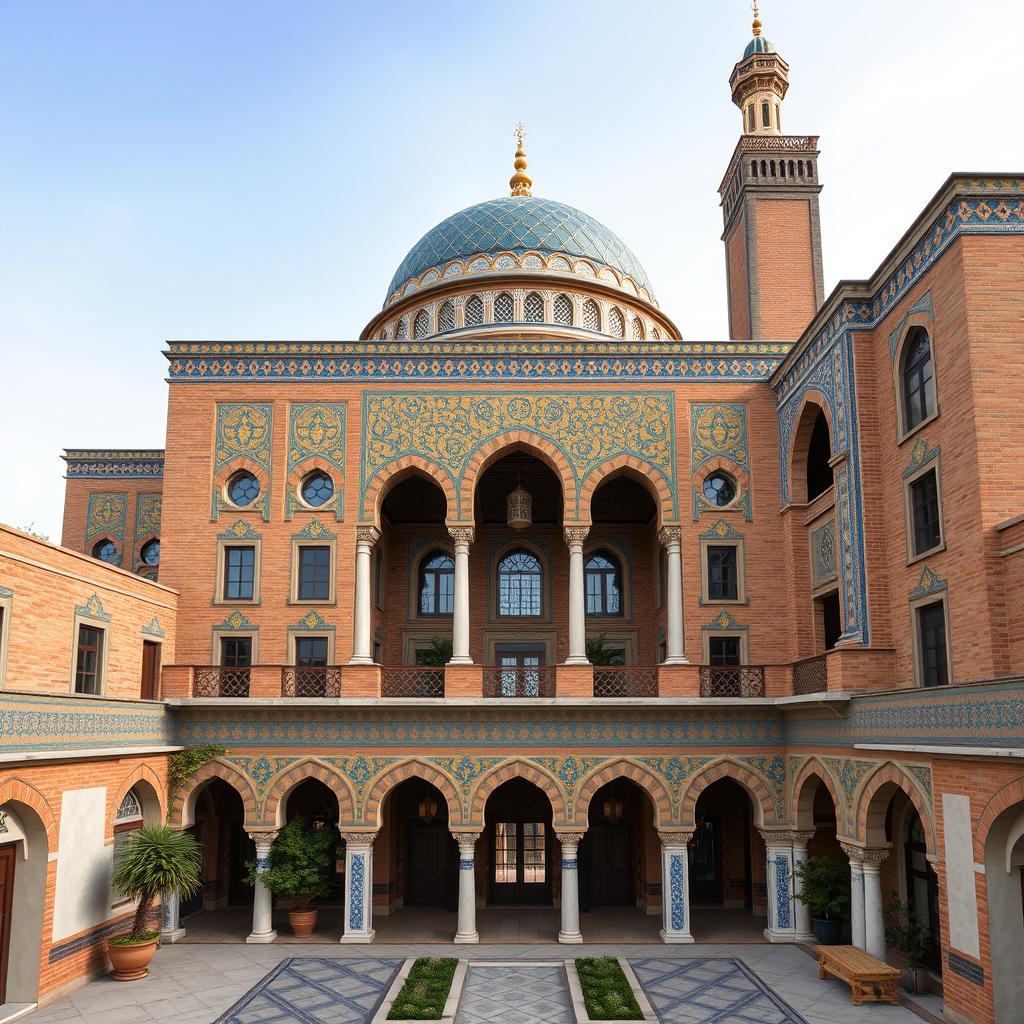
520, 182
757, 19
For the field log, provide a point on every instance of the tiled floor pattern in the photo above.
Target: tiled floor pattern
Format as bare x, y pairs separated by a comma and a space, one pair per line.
515, 995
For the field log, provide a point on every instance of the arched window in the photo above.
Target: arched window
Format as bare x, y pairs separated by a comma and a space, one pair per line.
446, 316
402, 329
105, 551
778, 116
918, 379
766, 114
421, 325
437, 584
563, 310
753, 168
533, 309
616, 323
750, 118
127, 819
150, 553
638, 329
591, 315
474, 311
819, 451
504, 308
519, 584
603, 577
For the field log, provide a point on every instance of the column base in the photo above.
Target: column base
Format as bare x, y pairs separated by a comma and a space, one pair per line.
260, 937
774, 936
576, 659
461, 660
466, 937
675, 937
358, 937
681, 660
173, 936
805, 937
570, 937
365, 660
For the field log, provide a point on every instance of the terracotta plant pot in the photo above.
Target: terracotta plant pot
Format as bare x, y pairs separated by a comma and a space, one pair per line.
303, 922
131, 962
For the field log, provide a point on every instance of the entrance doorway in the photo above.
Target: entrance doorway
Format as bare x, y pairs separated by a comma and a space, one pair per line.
518, 838
611, 853
8, 858
922, 887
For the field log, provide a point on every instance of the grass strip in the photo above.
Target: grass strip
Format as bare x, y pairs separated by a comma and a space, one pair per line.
425, 990
606, 990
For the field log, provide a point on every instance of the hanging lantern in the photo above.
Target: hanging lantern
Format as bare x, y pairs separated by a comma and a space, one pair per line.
520, 508
613, 809
427, 809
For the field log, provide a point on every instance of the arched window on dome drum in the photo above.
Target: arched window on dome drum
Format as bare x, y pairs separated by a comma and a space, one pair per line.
533, 309
519, 584
638, 329
591, 315
563, 310
616, 323
474, 311
504, 308
402, 329
603, 579
753, 168
437, 584
918, 379
446, 316
766, 114
421, 325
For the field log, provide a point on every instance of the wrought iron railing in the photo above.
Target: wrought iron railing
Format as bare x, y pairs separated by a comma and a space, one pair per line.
220, 681
810, 675
731, 681
412, 682
311, 681
519, 681
625, 681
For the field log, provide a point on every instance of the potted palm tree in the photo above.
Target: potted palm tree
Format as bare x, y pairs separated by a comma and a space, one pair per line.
825, 888
157, 861
904, 931
300, 861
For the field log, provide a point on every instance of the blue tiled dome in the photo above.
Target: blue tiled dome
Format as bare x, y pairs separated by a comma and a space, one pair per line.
758, 45
519, 224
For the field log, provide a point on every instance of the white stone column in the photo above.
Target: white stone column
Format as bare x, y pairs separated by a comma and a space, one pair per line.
779, 873
170, 922
675, 887
874, 921
570, 930
804, 930
362, 648
358, 886
463, 537
575, 537
262, 898
855, 853
467, 887
672, 538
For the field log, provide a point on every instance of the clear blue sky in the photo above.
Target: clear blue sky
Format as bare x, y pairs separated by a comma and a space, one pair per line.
258, 170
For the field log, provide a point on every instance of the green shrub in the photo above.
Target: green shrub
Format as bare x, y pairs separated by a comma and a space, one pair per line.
300, 859
824, 887
606, 990
425, 990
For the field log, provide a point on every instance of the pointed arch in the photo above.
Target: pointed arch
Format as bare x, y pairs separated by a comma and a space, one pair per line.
1000, 801
802, 799
17, 790
756, 787
183, 804
812, 401
140, 773
873, 803
393, 473
624, 768
518, 769
398, 773
280, 787
649, 477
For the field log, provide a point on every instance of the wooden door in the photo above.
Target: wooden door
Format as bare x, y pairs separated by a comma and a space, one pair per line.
150, 669
8, 859
608, 866
521, 872
429, 867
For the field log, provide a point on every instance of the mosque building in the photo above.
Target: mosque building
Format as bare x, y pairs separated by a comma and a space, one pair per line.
545, 606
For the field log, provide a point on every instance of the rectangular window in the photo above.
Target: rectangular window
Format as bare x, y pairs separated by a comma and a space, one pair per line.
924, 502
236, 651
931, 634
150, 669
239, 573
311, 651
89, 661
314, 573
722, 577
724, 650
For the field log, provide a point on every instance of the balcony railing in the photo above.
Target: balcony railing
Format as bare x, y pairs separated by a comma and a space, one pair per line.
810, 675
519, 681
311, 681
219, 681
731, 681
412, 682
625, 681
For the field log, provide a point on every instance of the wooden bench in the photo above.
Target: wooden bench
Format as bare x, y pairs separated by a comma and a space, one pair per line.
869, 978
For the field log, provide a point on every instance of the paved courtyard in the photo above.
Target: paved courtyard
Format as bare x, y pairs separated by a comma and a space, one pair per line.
296, 984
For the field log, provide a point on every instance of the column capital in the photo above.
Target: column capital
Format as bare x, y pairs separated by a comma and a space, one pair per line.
367, 535
570, 838
462, 535
670, 535
262, 837
576, 536
356, 838
779, 837
801, 839
466, 838
866, 855
675, 838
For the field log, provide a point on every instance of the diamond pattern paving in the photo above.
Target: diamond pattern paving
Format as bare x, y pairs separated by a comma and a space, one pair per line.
515, 995
710, 991
307, 990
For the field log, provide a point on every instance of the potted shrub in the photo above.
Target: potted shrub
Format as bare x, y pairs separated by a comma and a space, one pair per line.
905, 932
825, 888
157, 861
300, 860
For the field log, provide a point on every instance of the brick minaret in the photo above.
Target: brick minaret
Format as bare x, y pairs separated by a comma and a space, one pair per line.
770, 205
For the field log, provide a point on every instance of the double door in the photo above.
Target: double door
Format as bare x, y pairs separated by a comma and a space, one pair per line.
520, 870
431, 866
606, 869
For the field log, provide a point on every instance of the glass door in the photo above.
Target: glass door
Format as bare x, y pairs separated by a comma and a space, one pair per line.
520, 670
520, 863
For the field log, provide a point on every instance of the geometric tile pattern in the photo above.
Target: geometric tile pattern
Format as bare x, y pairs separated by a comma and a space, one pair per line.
515, 995
311, 990
716, 990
